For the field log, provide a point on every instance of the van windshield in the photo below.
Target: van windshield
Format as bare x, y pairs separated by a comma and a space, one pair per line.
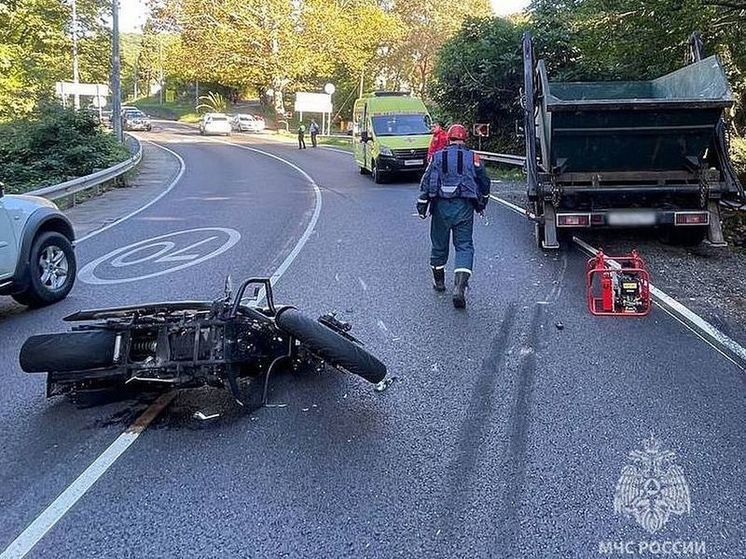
401, 125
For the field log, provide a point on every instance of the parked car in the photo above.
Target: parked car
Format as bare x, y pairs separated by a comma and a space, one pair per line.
37, 259
215, 123
247, 123
136, 120
261, 125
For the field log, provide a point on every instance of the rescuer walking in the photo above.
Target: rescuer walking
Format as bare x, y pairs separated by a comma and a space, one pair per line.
454, 186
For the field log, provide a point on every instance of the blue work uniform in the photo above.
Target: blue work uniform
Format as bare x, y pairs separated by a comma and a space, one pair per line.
455, 184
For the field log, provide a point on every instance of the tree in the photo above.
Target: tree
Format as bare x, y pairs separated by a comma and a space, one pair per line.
36, 50
274, 44
429, 24
478, 77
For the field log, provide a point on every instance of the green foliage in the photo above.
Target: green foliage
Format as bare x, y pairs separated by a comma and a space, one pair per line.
55, 146
738, 157
36, 50
213, 102
478, 77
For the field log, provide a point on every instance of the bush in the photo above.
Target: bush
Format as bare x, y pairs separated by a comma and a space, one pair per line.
54, 146
738, 157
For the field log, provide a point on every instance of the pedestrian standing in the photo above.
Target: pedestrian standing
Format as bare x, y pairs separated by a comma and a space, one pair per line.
454, 186
313, 128
301, 136
438, 141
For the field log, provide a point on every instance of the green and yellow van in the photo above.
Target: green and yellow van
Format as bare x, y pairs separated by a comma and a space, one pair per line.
391, 134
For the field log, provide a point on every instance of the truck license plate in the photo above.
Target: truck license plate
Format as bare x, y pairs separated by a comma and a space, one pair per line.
631, 218
412, 162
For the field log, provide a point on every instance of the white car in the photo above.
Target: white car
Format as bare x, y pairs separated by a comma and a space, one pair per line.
37, 259
215, 123
247, 123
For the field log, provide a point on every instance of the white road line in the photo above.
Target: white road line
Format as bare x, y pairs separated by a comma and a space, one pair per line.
311, 224
67, 499
182, 168
511, 206
691, 320
671, 306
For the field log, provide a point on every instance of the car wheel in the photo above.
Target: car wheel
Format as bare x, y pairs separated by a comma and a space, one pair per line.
377, 174
52, 270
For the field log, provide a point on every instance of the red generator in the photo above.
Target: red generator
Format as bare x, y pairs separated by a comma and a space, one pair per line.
618, 285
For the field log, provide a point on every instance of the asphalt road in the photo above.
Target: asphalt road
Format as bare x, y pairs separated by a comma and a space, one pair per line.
503, 435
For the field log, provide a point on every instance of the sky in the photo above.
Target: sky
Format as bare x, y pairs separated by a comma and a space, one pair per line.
133, 13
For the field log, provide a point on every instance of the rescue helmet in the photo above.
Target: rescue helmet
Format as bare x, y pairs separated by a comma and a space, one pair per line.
457, 132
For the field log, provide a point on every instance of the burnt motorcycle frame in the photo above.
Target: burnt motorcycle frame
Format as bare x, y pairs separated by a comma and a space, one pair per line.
192, 343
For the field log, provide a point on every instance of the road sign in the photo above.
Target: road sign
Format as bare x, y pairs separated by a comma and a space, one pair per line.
482, 130
90, 89
312, 102
99, 102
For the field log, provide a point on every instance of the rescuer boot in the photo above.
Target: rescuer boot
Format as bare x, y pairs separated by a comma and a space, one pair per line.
460, 283
439, 279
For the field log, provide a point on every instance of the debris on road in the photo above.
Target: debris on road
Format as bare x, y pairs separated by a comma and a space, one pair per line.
384, 384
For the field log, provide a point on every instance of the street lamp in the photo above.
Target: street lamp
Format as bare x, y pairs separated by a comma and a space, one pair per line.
329, 89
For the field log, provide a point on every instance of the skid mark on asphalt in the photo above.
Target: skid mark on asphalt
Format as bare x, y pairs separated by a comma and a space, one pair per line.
472, 430
513, 470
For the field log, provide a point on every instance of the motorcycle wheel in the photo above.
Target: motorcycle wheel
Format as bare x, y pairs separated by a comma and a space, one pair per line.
68, 351
331, 346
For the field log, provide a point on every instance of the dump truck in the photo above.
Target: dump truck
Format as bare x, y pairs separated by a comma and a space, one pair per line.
628, 153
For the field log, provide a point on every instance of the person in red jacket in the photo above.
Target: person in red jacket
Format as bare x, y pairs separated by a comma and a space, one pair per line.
438, 141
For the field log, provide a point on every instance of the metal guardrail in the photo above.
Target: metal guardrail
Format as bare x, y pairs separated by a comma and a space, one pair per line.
94, 180
517, 160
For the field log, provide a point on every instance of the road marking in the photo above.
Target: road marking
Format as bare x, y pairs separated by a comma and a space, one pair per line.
719, 341
121, 257
311, 224
171, 185
61, 505
722, 343
511, 206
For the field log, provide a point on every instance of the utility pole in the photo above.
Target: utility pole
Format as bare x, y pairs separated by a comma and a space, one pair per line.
76, 75
160, 74
116, 93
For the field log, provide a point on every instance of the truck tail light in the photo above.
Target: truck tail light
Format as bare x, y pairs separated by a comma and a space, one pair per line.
691, 218
573, 220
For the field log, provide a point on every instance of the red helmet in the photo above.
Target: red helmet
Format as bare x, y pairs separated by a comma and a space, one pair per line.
457, 132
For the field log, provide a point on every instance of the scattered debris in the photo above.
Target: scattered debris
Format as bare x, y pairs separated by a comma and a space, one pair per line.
384, 384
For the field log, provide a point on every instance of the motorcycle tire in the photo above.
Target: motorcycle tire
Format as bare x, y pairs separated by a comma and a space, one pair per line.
331, 346
68, 351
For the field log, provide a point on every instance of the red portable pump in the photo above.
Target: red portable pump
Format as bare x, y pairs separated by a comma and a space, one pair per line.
618, 285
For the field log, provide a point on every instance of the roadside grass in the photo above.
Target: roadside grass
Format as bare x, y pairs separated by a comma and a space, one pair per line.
504, 172
343, 143
181, 110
